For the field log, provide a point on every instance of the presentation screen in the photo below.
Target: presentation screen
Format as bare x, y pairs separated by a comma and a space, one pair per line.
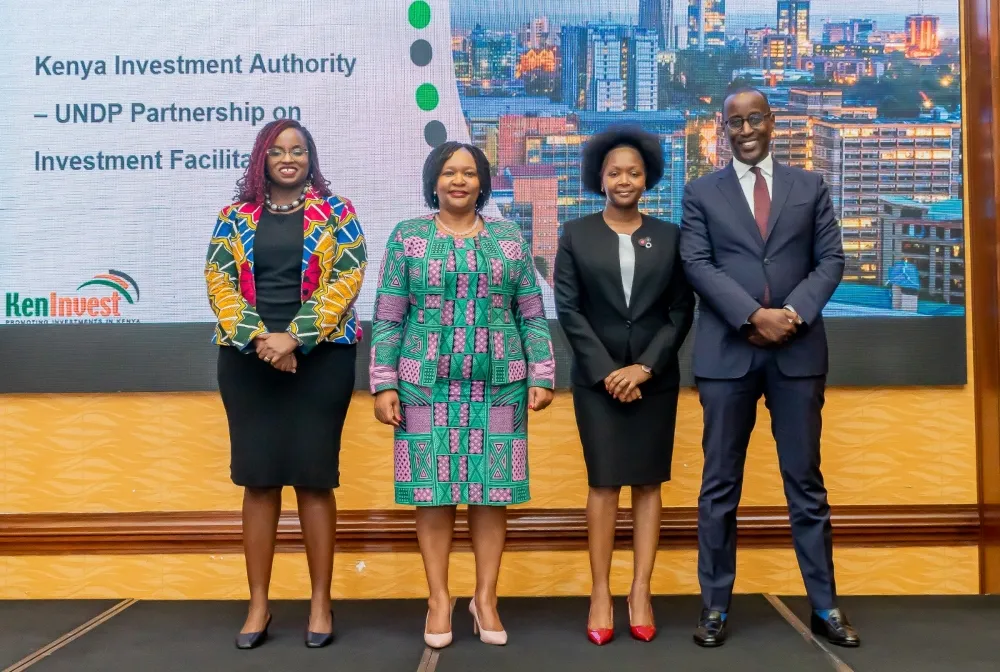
125, 127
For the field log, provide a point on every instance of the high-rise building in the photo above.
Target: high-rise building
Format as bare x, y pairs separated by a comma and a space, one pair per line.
514, 128
575, 66
538, 185
861, 27
930, 237
847, 32
609, 68
658, 15
706, 24
643, 82
922, 36
753, 38
461, 55
538, 33
778, 52
608, 53
493, 57
862, 161
836, 32
816, 102
793, 19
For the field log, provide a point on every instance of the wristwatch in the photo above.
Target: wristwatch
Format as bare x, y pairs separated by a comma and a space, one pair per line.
646, 369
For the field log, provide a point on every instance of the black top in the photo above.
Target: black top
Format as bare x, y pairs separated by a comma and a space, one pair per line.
603, 331
278, 268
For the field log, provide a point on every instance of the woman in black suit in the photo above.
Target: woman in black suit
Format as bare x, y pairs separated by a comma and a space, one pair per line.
625, 307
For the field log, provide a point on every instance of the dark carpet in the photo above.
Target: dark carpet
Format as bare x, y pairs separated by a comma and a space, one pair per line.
375, 635
916, 634
28, 625
548, 634
919, 633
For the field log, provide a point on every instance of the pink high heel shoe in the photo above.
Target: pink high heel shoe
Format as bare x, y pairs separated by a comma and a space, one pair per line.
435, 641
495, 637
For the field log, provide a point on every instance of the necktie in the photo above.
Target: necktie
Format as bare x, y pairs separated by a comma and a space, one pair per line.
761, 211
761, 202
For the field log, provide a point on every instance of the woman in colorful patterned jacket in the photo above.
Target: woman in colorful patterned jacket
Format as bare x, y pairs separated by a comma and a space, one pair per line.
284, 268
460, 352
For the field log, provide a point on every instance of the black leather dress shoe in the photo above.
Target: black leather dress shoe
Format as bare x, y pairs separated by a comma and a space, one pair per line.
711, 629
251, 640
835, 628
317, 640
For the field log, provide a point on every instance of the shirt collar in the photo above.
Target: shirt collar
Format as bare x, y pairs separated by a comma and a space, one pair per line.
766, 167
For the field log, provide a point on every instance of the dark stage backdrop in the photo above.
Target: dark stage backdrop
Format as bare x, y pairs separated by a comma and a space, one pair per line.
163, 358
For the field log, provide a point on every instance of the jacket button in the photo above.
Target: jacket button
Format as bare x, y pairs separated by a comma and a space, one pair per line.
628, 324
767, 261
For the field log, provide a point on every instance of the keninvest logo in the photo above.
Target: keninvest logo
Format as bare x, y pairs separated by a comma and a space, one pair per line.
113, 290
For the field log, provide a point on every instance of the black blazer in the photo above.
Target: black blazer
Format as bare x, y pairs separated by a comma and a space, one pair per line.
603, 332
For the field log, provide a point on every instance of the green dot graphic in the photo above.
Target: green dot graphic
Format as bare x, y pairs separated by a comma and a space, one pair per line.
420, 14
427, 97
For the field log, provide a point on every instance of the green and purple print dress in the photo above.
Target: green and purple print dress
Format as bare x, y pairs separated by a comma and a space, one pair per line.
460, 332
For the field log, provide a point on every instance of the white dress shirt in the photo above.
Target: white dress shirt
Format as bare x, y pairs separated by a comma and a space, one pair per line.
748, 179
626, 259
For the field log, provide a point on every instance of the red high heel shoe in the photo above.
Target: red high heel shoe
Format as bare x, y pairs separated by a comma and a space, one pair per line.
601, 636
644, 633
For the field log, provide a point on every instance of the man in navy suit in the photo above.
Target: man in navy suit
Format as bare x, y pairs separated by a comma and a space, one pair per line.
762, 248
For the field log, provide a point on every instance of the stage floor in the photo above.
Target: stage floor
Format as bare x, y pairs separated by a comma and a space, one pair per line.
898, 633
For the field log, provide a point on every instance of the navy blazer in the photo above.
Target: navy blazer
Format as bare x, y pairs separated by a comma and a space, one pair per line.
728, 263
603, 331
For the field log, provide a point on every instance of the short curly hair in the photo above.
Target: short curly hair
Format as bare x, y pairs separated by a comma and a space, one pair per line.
599, 146
434, 164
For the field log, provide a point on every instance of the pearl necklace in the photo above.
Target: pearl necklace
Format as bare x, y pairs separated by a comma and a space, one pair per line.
465, 234
291, 206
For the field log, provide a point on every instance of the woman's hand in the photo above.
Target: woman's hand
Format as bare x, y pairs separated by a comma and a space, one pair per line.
635, 395
539, 398
258, 342
288, 363
387, 408
621, 383
275, 346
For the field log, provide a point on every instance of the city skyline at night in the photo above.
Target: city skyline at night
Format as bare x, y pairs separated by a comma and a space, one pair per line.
873, 106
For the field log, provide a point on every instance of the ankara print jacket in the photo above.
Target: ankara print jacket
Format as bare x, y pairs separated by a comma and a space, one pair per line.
334, 258
406, 328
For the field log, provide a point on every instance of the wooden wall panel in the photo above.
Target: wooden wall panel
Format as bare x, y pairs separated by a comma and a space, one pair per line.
981, 70
169, 452
382, 575
394, 530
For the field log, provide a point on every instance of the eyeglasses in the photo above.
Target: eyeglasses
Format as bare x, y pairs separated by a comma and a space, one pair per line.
294, 152
756, 121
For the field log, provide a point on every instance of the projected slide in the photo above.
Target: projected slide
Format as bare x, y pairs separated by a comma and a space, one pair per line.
124, 127
138, 119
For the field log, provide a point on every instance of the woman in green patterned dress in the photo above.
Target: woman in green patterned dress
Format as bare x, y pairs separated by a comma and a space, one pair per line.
460, 352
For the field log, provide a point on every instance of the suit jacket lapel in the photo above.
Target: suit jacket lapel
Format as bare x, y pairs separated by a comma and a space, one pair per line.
645, 258
613, 260
781, 185
247, 217
730, 187
316, 214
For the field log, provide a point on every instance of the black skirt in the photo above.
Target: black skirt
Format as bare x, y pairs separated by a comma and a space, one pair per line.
284, 428
626, 444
